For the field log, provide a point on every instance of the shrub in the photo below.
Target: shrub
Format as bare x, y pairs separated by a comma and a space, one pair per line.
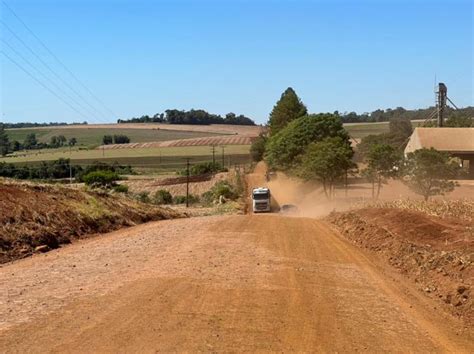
143, 197
121, 188
204, 168
101, 179
181, 199
221, 188
162, 197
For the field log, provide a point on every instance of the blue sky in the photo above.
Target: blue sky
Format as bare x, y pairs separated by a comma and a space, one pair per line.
142, 57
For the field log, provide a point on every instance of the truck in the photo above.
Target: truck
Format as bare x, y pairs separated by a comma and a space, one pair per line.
261, 200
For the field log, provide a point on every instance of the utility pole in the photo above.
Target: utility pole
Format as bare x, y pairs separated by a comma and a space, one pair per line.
213, 147
187, 182
223, 157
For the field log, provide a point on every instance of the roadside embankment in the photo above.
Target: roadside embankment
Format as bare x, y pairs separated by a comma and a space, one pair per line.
435, 251
37, 218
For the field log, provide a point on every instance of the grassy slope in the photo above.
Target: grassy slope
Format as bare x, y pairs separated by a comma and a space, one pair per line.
36, 215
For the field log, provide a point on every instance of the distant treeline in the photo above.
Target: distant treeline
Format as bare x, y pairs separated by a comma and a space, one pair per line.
194, 116
386, 115
37, 125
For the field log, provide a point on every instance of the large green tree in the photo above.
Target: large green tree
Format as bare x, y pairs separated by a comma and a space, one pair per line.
288, 108
257, 149
383, 162
4, 143
430, 172
284, 149
327, 161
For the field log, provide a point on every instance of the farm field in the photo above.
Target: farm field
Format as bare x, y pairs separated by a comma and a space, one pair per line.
150, 132
160, 158
92, 135
360, 130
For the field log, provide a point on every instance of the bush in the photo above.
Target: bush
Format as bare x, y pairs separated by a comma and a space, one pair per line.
143, 197
181, 199
121, 188
162, 197
101, 179
221, 188
204, 168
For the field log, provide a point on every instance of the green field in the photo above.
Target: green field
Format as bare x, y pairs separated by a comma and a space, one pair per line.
360, 130
166, 158
93, 136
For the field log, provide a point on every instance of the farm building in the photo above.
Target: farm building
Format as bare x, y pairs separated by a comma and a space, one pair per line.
459, 142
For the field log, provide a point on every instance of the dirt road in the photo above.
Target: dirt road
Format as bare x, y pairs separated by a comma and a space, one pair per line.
232, 283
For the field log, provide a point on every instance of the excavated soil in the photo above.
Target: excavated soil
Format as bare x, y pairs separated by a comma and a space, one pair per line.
38, 218
436, 253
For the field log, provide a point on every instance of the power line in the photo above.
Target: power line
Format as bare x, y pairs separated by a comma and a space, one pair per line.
57, 59
43, 85
47, 66
44, 76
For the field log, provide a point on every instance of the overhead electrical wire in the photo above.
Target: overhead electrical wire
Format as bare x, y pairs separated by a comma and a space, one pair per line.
58, 60
45, 77
48, 67
43, 85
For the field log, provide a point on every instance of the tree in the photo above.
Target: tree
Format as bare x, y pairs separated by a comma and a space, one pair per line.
284, 149
107, 139
16, 145
459, 120
4, 143
400, 130
61, 140
101, 179
257, 149
288, 108
121, 139
30, 141
383, 162
428, 172
162, 196
72, 141
327, 161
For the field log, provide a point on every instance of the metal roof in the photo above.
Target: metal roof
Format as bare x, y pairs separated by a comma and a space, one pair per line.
460, 140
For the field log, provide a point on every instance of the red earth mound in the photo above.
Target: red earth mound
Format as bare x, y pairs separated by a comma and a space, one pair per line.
436, 253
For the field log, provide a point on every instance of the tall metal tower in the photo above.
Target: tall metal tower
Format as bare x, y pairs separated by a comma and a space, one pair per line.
442, 95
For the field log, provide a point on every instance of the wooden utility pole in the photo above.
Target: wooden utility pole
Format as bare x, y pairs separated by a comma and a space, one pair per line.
213, 147
187, 182
223, 157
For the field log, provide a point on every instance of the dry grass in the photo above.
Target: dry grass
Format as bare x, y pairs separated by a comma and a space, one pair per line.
33, 215
462, 209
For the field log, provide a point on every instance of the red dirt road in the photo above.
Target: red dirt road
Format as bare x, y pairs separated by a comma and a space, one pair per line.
228, 283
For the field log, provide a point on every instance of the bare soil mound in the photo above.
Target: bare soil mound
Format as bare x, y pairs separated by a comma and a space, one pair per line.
37, 218
437, 253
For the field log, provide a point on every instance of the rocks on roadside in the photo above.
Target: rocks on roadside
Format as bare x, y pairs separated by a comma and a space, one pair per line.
42, 248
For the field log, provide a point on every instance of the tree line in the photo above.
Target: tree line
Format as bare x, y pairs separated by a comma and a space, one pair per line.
32, 143
193, 116
37, 125
317, 147
389, 114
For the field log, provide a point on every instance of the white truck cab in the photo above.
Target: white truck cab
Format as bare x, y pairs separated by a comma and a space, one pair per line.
261, 200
